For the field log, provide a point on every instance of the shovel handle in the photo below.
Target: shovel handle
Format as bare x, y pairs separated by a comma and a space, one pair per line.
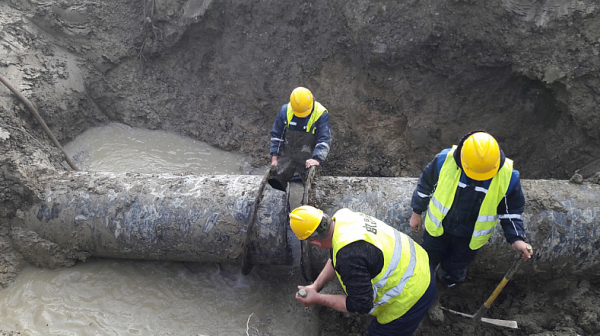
484, 308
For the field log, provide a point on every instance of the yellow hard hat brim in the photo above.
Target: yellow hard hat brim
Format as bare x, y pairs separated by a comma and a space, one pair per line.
303, 114
481, 176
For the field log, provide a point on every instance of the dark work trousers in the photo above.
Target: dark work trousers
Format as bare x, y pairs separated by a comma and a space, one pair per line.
406, 324
452, 253
297, 148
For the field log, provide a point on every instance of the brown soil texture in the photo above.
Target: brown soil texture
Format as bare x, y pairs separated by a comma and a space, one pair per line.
401, 80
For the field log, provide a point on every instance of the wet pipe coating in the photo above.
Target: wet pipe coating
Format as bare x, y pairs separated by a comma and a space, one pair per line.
205, 218
562, 223
160, 217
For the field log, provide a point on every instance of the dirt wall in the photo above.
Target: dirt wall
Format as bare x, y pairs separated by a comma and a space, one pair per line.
401, 80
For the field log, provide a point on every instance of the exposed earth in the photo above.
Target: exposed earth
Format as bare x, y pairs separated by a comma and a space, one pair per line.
401, 80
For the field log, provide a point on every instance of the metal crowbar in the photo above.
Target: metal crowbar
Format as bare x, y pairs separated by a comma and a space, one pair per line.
478, 317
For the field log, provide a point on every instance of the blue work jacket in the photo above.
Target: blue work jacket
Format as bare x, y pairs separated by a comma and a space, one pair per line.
460, 220
322, 133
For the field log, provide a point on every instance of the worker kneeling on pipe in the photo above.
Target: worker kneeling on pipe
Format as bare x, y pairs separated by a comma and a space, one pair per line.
382, 271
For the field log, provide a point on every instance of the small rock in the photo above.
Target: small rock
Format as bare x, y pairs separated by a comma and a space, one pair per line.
4, 134
576, 178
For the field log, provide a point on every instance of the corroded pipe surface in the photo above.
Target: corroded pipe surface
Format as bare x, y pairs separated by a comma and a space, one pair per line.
159, 217
205, 218
562, 222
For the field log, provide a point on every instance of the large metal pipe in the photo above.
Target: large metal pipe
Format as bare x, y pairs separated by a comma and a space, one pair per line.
160, 217
562, 221
205, 218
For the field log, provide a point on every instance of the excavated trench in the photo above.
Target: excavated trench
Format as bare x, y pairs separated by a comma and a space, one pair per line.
401, 81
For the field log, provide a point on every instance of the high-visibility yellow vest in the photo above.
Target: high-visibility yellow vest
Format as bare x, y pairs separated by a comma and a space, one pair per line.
405, 275
443, 197
316, 113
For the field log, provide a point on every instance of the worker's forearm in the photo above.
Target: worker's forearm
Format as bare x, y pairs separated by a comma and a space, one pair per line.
337, 302
325, 276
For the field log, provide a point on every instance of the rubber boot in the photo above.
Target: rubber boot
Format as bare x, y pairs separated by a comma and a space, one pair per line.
435, 312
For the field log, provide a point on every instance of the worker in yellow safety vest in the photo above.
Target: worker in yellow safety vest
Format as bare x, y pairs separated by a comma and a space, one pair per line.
300, 138
463, 191
383, 272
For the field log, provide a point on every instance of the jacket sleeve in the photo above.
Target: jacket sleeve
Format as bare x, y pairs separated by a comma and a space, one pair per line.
323, 134
510, 211
278, 132
427, 183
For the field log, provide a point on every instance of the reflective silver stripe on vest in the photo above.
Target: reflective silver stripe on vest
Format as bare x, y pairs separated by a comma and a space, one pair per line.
510, 216
410, 271
396, 255
483, 219
439, 206
481, 233
276, 139
422, 195
433, 218
480, 189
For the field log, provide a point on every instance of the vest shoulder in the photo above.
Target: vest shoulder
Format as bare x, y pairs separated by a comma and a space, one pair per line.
441, 158
283, 110
320, 107
343, 213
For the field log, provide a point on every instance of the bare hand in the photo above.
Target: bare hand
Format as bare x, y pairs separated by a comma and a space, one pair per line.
311, 162
521, 246
416, 222
310, 297
274, 161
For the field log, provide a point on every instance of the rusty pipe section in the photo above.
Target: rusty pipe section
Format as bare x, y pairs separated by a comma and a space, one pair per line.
562, 222
159, 217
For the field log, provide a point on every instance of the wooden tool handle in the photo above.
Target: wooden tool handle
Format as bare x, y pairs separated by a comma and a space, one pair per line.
484, 308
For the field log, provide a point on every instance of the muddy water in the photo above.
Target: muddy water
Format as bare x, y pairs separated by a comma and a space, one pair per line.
129, 297
120, 148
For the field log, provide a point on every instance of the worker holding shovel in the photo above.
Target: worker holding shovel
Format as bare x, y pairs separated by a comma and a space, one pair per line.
464, 190
300, 138
382, 271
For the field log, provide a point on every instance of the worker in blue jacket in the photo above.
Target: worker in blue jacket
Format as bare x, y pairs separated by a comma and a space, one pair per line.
300, 138
463, 192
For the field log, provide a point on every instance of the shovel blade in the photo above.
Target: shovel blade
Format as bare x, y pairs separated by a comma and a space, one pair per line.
501, 323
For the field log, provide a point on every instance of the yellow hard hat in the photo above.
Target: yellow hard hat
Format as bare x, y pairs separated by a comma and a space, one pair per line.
304, 221
480, 156
302, 102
